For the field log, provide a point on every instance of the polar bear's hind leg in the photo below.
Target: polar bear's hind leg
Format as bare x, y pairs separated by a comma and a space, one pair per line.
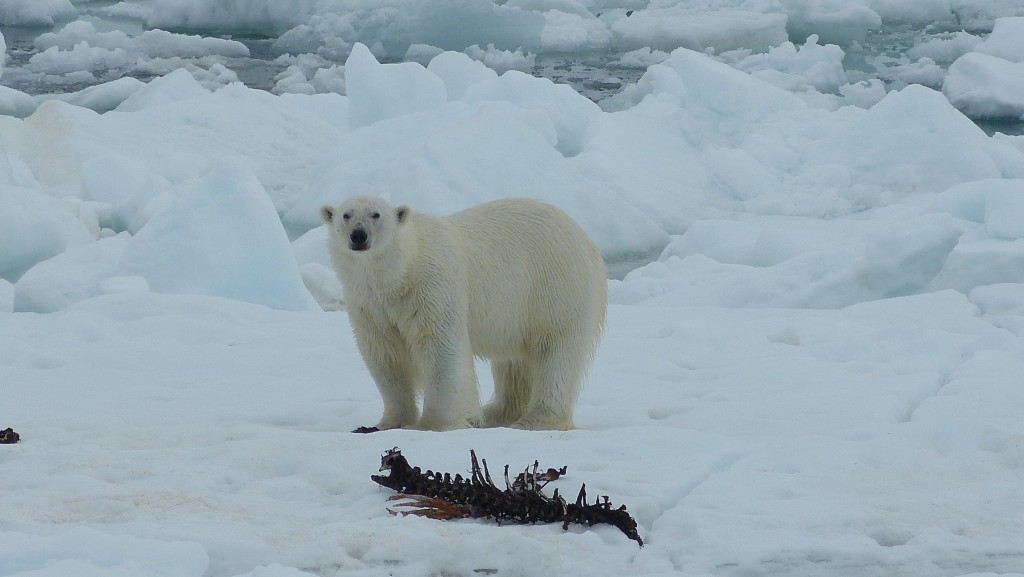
560, 370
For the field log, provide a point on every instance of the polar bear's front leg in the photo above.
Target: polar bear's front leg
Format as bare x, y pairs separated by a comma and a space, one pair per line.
451, 399
387, 358
399, 396
513, 383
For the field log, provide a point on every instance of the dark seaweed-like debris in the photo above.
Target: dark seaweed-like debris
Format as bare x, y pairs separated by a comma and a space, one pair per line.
9, 437
442, 496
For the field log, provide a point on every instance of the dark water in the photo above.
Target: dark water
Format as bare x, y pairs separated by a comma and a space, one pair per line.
619, 267
588, 74
1007, 127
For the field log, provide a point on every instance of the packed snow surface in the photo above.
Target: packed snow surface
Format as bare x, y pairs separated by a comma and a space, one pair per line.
815, 367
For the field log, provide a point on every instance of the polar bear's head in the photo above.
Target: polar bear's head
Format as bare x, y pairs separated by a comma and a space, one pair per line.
363, 222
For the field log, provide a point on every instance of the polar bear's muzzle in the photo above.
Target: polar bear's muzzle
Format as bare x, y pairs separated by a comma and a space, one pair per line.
358, 240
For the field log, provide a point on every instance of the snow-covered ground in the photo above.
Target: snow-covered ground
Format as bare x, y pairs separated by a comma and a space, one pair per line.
821, 374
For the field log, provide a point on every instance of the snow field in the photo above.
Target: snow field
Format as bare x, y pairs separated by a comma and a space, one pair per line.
861, 441
819, 373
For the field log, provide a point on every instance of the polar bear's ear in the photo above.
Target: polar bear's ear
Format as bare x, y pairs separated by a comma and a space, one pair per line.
402, 213
327, 213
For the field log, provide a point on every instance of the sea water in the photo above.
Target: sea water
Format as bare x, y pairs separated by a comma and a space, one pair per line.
886, 53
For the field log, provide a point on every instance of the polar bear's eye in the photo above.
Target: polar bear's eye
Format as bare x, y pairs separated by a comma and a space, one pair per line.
376, 215
346, 216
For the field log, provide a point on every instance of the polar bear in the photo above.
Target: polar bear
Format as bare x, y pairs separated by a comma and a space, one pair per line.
513, 281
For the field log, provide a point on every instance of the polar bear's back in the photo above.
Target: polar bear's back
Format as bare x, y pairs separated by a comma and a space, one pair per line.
525, 255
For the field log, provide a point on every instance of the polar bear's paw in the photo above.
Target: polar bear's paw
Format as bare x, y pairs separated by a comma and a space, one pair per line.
540, 420
499, 415
448, 422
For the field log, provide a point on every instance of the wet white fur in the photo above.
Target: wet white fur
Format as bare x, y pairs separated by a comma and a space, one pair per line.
514, 281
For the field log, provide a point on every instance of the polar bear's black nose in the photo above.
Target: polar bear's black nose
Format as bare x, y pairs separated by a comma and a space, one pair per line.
357, 238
